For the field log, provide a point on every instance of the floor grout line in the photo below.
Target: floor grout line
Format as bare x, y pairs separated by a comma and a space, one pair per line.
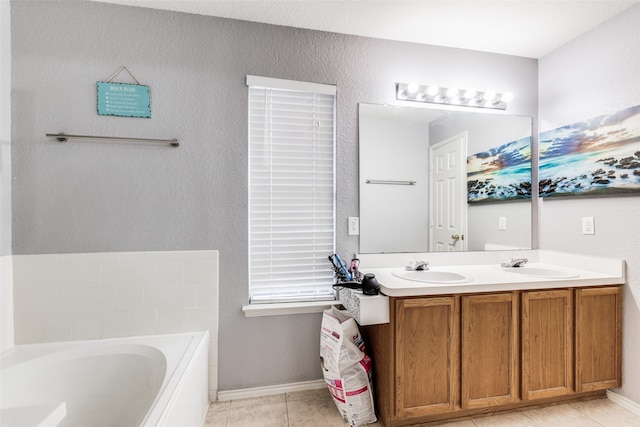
587, 415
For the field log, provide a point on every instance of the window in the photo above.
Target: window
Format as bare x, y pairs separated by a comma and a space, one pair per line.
291, 190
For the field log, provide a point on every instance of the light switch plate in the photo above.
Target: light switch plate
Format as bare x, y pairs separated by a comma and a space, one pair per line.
354, 226
502, 223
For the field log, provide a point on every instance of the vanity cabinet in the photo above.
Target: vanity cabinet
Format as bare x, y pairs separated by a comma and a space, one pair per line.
598, 338
489, 341
547, 343
444, 357
426, 356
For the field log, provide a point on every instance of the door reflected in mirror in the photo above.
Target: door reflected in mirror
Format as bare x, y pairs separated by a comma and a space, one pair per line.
443, 180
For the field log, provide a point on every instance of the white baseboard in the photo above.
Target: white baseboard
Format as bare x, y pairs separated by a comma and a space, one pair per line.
624, 402
245, 393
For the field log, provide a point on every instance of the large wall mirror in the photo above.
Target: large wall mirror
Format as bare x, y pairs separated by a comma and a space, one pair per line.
443, 180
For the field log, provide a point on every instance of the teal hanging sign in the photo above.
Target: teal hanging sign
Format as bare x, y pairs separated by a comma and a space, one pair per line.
123, 99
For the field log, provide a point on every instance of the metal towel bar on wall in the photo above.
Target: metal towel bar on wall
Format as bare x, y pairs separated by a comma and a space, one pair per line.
63, 137
378, 181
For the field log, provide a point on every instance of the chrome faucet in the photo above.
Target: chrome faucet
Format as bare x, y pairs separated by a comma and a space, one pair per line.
418, 266
514, 262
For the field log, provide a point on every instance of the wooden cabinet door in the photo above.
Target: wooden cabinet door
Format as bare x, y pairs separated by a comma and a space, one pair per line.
598, 338
547, 343
489, 350
427, 349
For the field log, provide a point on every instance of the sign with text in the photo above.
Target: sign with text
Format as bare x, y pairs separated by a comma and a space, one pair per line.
123, 99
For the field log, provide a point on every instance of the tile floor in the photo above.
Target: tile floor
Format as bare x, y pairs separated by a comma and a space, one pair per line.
314, 408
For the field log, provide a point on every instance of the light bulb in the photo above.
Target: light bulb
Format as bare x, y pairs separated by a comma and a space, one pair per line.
413, 88
470, 93
433, 90
452, 92
489, 95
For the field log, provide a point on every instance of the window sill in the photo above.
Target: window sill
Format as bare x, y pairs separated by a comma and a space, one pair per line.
260, 310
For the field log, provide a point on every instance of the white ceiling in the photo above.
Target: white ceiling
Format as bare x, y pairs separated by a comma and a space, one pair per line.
530, 28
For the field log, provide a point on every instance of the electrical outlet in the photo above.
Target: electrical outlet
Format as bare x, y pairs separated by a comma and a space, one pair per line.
354, 226
588, 226
502, 223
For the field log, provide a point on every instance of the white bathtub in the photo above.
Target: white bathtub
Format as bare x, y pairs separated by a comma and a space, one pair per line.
140, 381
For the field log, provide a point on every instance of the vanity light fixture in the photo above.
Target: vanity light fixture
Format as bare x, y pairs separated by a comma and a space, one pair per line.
452, 96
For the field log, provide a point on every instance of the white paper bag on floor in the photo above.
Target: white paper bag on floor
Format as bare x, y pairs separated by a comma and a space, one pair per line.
346, 367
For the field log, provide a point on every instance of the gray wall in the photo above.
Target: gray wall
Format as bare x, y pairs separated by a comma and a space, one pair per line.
593, 75
5, 129
80, 197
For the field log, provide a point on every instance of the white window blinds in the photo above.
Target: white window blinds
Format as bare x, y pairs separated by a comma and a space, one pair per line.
291, 190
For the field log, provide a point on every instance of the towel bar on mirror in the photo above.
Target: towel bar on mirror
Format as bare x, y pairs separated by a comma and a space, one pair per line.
378, 181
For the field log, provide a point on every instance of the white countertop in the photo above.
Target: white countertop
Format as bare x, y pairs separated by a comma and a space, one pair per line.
487, 276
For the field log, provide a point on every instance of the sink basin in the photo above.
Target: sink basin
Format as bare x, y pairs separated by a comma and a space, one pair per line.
431, 276
543, 273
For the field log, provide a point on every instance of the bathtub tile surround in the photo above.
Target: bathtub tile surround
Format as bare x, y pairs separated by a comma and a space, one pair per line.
64, 297
105, 295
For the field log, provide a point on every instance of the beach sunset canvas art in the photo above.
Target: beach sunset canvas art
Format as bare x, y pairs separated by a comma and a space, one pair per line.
501, 173
595, 157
